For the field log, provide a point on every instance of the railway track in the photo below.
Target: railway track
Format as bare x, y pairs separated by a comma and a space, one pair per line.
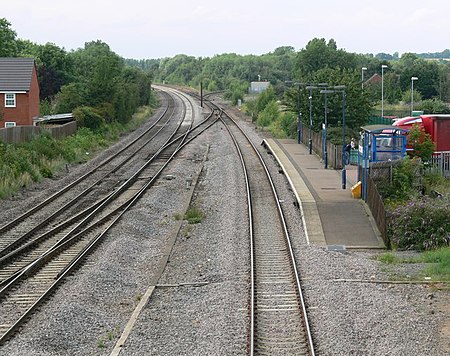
278, 319
29, 273
83, 191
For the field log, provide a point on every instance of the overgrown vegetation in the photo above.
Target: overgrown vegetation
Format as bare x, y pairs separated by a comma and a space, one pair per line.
437, 262
418, 206
423, 223
24, 164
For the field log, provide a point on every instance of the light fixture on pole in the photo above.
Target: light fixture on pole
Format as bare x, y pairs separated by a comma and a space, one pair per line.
339, 89
310, 88
383, 66
412, 93
325, 149
362, 76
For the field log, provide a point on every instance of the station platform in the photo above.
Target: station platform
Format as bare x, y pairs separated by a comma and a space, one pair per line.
331, 217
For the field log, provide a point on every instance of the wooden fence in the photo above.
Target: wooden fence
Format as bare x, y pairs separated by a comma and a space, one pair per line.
19, 134
376, 206
334, 152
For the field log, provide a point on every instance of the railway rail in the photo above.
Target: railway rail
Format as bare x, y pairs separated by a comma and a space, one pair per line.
39, 256
278, 317
21, 229
32, 271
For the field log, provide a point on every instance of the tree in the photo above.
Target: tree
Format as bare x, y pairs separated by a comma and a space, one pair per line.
318, 54
358, 104
70, 97
98, 68
409, 66
406, 97
54, 69
433, 106
8, 44
268, 115
421, 143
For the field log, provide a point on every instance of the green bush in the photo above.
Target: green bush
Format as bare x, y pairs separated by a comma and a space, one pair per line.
268, 115
88, 117
422, 224
405, 180
288, 124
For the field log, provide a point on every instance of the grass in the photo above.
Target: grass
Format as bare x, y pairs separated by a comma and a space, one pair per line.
437, 262
24, 164
194, 215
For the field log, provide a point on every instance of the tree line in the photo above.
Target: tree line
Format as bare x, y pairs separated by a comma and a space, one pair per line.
320, 61
93, 82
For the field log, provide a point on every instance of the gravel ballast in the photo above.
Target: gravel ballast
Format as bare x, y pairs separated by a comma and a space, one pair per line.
87, 314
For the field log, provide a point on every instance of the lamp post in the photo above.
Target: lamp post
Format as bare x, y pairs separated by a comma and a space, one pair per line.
338, 89
383, 66
344, 172
412, 94
325, 150
299, 124
363, 69
310, 88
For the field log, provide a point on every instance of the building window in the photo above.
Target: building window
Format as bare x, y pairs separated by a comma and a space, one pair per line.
10, 123
10, 100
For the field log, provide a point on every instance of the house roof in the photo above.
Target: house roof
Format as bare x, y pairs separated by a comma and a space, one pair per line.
15, 74
376, 78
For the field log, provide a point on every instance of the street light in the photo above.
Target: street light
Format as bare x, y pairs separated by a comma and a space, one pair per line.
325, 150
362, 76
299, 125
344, 172
338, 89
383, 66
412, 94
310, 88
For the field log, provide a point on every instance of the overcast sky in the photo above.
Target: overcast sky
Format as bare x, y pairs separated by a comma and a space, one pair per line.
164, 28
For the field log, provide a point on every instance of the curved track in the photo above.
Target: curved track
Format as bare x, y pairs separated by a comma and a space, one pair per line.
278, 319
31, 272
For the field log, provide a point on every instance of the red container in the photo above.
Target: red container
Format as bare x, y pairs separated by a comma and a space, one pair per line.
437, 125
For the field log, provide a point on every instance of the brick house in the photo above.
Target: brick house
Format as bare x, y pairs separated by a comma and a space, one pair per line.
19, 92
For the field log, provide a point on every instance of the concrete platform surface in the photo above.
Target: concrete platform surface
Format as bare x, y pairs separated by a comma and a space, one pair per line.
330, 215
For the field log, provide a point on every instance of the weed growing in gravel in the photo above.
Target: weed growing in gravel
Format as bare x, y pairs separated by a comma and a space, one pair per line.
437, 262
388, 257
178, 216
194, 215
186, 232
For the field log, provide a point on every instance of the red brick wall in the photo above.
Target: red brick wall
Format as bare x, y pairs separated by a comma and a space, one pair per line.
34, 97
27, 105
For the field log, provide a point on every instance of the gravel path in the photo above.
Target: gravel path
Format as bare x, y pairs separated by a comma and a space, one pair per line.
88, 313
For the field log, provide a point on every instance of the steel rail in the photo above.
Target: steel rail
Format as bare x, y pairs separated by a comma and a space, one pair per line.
287, 240
17, 242
57, 194
89, 247
88, 210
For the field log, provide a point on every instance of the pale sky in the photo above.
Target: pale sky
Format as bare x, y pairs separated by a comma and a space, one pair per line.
202, 28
